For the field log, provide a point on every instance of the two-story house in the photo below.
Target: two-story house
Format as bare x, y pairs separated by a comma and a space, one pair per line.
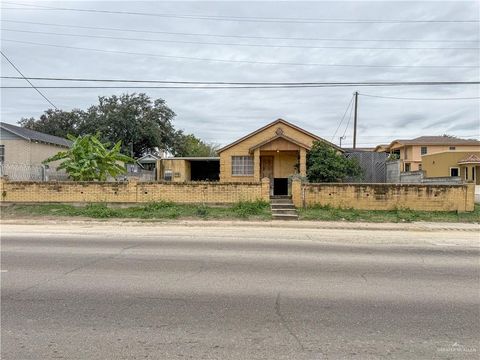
410, 152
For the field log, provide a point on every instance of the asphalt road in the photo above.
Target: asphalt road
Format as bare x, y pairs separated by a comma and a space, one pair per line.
238, 292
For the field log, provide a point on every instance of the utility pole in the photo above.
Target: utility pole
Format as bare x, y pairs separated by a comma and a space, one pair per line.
355, 121
342, 138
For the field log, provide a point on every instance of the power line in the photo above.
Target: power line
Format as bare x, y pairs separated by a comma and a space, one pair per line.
238, 36
237, 44
343, 117
247, 18
33, 86
240, 61
184, 82
411, 98
349, 119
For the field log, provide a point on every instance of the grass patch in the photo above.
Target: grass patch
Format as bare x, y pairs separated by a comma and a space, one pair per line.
256, 210
329, 213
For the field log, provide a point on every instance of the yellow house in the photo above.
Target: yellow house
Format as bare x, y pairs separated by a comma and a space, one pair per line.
276, 151
463, 164
410, 152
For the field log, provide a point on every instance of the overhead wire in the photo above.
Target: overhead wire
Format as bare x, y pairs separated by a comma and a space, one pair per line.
343, 117
248, 18
237, 61
235, 44
238, 36
27, 80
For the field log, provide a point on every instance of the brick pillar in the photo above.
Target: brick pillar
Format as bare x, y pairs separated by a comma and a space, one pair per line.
303, 162
297, 193
256, 165
266, 189
469, 198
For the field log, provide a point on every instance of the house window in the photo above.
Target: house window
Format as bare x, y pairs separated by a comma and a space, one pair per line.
419, 167
466, 173
454, 171
423, 150
2, 153
451, 148
242, 165
407, 167
167, 175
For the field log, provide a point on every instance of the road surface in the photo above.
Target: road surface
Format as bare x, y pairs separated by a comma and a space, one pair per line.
112, 291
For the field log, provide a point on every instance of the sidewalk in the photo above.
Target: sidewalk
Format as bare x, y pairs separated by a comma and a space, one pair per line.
302, 224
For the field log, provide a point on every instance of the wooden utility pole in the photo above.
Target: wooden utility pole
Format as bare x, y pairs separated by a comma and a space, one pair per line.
355, 121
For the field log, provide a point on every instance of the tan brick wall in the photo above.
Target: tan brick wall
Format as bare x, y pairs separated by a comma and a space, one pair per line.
386, 196
195, 192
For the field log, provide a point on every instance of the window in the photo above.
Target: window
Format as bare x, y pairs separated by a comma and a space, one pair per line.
167, 175
451, 148
419, 167
466, 173
2, 153
454, 171
423, 150
242, 165
473, 173
407, 167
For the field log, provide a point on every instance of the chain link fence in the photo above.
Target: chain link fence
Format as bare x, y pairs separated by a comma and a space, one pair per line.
24, 172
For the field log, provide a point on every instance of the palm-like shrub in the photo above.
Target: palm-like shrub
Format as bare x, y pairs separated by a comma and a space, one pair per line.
88, 159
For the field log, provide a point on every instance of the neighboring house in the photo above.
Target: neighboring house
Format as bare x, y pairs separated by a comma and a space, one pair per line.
149, 161
28, 147
275, 151
463, 164
410, 152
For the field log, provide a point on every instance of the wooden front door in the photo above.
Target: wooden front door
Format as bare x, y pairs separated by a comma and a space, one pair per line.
266, 167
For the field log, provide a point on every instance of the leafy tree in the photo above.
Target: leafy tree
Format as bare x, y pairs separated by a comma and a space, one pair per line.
189, 145
324, 164
89, 159
56, 122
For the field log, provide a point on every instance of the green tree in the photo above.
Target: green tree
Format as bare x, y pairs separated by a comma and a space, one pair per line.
89, 159
56, 122
190, 145
142, 124
325, 164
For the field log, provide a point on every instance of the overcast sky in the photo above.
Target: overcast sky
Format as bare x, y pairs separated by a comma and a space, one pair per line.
224, 115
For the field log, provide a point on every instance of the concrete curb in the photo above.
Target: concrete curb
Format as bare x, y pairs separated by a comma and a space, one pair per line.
340, 225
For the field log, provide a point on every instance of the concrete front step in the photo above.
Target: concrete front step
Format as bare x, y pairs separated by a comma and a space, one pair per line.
284, 211
282, 206
280, 201
285, 217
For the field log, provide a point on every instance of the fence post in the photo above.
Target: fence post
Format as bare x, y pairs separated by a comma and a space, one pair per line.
297, 193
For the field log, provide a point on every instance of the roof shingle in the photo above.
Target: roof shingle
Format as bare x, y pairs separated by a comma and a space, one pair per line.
28, 134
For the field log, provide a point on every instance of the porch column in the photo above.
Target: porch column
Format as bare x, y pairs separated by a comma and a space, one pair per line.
303, 162
256, 164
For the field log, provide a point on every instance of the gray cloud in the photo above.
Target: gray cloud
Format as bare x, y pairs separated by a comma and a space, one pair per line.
223, 115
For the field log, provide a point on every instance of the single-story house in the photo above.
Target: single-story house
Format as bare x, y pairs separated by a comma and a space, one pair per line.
463, 164
275, 151
23, 146
410, 152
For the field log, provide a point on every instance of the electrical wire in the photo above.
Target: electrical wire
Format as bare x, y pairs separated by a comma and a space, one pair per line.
237, 36
24, 77
237, 44
245, 18
343, 118
319, 83
411, 98
238, 61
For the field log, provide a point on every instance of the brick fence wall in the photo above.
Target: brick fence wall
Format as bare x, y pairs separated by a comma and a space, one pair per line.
132, 191
385, 196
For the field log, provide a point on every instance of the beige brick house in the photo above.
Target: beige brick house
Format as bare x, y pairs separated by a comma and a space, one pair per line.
23, 150
410, 152
275, 151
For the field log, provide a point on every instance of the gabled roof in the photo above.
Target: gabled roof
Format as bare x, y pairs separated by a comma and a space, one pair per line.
151, 157
436, 140
280, 136
470, 159
32, 135
279, 121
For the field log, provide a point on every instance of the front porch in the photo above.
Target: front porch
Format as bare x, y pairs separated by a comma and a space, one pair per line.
278, 159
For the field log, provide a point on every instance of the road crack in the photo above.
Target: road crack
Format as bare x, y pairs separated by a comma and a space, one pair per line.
285, 323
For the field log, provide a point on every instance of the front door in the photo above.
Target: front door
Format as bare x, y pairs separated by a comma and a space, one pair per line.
266, 170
